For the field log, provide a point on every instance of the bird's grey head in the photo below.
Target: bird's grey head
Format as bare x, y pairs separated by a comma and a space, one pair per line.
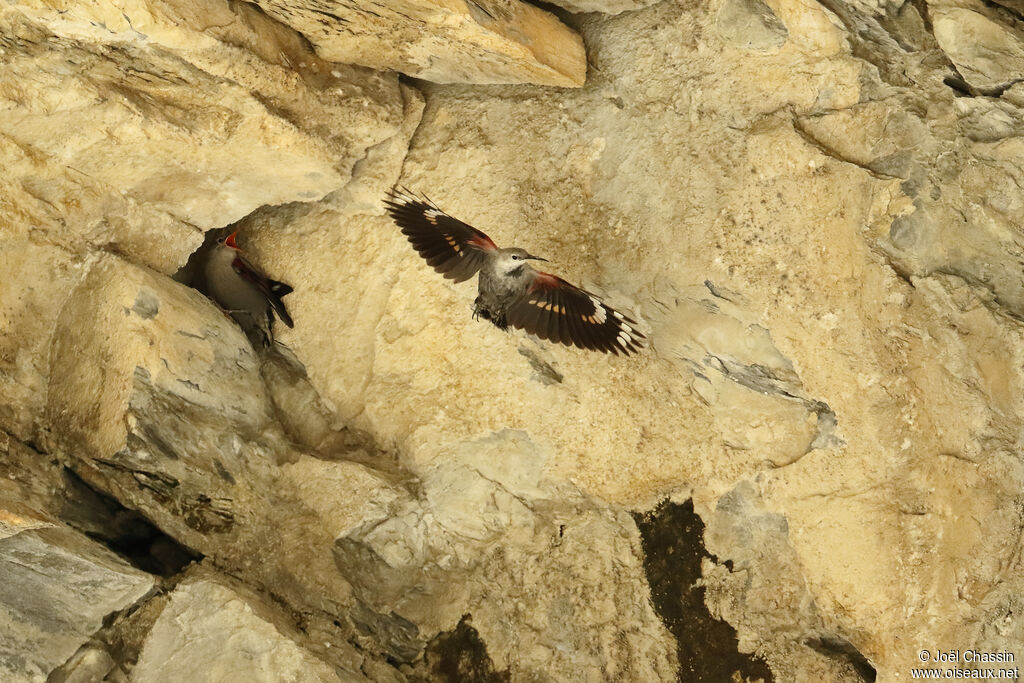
511, 262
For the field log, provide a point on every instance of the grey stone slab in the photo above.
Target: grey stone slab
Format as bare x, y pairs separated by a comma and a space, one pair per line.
55, 590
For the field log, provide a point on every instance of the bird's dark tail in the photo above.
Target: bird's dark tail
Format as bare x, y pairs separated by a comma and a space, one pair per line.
278, 290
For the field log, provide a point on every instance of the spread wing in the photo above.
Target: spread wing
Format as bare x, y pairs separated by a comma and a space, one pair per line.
451, 247
560, 312
272, 289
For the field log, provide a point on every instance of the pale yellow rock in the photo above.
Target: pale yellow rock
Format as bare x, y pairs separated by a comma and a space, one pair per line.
821, 243
174, 126
12, 522
130, 127
605, 6
158, 399
26, 319
143, 329
490, 521
687, 160
209, 631
765, 593
58, 589
447, 41
759, 402
986, 52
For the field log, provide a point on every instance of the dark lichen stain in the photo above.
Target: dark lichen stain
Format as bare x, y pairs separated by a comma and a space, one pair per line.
673, 543
147, 304
458, 656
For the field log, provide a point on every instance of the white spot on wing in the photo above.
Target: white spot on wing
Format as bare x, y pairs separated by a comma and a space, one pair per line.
433, 213
599, 311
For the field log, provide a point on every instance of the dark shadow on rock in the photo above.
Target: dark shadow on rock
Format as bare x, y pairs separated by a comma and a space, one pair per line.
458, 656
124, 531
673, 544
842, 648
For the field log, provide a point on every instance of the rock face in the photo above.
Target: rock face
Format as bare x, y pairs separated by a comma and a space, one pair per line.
155, 88
485, 41
988, 54
813, 472
131, 129
213, 466
57, 589
210, 632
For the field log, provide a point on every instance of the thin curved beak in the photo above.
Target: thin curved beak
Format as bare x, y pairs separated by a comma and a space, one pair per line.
536, 258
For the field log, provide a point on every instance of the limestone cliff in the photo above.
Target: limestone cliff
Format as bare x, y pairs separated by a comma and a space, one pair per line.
813, 472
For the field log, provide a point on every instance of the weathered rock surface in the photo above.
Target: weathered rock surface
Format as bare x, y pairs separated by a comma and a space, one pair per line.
57, 588
551, 578
763, 592
475, 41
131, 127
213, 631
181, 428
829, 273
196, 130
988, 53
673, 557
603, 6
812, 209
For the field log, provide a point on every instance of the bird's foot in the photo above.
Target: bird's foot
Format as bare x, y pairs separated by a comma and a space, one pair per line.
479, 311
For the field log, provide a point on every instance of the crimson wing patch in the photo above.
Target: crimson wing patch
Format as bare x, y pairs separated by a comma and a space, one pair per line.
560, 312
449, 246
272, 289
